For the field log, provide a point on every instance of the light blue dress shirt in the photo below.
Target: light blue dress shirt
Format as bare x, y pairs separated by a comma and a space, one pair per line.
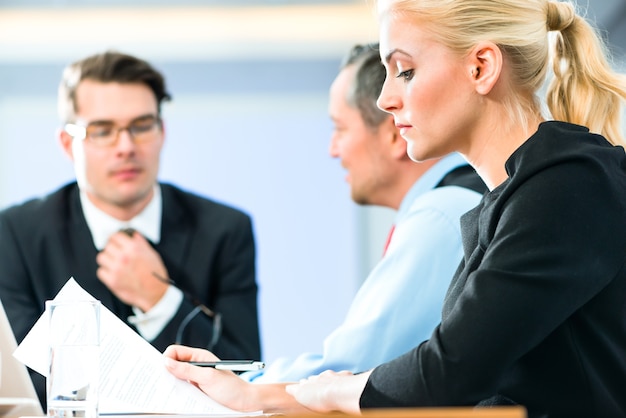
399, 304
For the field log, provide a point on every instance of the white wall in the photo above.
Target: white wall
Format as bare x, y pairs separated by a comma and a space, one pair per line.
267, 154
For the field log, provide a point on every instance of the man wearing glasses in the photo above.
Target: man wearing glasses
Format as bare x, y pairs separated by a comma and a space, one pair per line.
175, 266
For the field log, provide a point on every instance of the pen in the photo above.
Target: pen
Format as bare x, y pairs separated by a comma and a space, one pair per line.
233, 365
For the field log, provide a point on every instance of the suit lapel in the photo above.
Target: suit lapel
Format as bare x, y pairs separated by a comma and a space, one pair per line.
176, 230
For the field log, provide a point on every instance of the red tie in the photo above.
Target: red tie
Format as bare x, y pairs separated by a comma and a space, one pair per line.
393, 227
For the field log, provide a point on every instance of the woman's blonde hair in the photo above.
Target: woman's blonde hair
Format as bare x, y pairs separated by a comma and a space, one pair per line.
584, 89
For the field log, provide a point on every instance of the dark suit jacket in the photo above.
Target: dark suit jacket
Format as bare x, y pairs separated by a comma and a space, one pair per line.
536, 313
208, 249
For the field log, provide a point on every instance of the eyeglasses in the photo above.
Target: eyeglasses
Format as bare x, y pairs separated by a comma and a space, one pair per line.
104, 133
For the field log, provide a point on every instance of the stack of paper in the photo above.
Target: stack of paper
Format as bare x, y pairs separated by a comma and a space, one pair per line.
133, 378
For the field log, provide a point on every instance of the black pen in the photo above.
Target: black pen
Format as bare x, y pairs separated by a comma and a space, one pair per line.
232, 365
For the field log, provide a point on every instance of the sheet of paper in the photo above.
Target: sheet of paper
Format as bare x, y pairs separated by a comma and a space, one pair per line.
133, 378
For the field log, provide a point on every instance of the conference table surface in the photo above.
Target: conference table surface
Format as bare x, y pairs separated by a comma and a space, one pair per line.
448, 412
452, 412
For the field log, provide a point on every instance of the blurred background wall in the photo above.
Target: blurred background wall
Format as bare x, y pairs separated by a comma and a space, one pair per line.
248, 125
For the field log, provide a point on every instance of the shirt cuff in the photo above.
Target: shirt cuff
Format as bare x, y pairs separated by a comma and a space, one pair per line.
251, 375
151, 323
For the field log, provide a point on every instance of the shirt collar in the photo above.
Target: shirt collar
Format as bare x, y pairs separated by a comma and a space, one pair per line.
103, 225
429, 180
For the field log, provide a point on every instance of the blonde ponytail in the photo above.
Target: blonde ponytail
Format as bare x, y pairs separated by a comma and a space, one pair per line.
584, 90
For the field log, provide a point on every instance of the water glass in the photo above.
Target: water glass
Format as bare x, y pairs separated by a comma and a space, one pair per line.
72, 382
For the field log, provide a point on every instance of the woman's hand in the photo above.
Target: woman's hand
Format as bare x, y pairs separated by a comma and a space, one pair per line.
222, 386
331, 391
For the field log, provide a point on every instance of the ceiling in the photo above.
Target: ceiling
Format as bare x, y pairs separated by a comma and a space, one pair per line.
180, 3
177, 33
47, 29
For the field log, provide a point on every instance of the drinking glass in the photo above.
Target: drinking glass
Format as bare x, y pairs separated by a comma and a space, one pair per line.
72, 382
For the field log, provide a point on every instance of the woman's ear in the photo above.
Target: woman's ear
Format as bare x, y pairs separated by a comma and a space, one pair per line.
484, 66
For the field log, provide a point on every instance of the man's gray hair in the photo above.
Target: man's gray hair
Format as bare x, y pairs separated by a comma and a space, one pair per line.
368, 83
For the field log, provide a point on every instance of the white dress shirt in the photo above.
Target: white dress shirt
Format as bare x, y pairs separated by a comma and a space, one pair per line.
147, 223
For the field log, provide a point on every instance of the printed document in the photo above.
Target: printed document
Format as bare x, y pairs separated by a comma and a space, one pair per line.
133, 378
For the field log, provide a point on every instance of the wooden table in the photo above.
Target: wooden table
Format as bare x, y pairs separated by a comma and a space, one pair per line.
456, 412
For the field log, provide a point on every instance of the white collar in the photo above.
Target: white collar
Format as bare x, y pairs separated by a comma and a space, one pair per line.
102, 225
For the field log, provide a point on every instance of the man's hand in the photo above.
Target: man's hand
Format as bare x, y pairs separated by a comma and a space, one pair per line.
127, 266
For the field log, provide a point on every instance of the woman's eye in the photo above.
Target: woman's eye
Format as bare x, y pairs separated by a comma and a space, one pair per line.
407, 75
